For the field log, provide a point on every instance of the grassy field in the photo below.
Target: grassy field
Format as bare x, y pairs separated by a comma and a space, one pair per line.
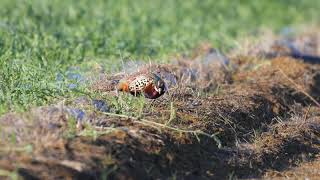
41, 40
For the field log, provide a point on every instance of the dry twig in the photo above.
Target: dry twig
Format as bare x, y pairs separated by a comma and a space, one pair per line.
164, 126
299, 88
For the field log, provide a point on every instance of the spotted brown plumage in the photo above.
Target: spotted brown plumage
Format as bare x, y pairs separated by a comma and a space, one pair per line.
150, 85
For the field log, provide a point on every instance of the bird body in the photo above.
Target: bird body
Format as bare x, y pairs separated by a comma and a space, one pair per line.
148, 84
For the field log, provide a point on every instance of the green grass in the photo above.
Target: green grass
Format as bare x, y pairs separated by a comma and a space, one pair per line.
40, 39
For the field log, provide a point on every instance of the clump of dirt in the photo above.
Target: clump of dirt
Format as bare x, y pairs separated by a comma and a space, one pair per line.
305, 169
221, 118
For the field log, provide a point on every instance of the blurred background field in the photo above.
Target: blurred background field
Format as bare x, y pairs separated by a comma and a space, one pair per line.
40, 39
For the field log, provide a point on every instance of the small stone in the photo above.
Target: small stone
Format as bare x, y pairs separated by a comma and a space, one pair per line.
100, 105
78, 114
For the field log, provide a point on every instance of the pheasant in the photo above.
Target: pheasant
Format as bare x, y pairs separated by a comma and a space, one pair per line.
148, 84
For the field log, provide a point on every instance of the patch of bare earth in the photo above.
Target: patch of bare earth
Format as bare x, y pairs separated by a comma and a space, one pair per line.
256, 120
